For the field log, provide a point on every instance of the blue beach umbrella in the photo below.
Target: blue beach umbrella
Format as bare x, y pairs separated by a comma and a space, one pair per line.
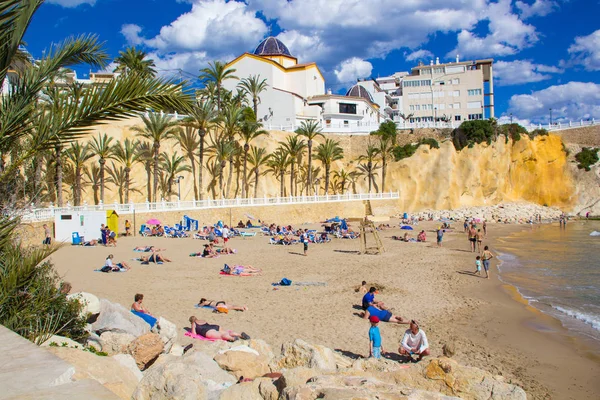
407, 228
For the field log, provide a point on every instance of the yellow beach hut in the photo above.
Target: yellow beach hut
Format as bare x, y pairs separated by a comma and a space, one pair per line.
112, 221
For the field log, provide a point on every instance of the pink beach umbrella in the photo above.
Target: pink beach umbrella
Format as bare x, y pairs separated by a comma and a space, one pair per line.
153, 221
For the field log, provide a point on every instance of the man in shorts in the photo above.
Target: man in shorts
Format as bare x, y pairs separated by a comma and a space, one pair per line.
47, 235
225, 234
304, 239
440, 236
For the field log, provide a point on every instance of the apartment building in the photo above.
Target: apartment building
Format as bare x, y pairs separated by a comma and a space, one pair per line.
456, 91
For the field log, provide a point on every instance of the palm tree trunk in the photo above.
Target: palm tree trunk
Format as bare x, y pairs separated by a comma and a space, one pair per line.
326, 179
309, 178
256, 182
102, 162
245, 177
343, 185
230, 177
127, 170
37, 179
282, 183
370, 176
383, 168
292, 181
96, 197
155, 186
255, 102
77, 188
193, 162
149, 182
221, 188
201, 166
58, 176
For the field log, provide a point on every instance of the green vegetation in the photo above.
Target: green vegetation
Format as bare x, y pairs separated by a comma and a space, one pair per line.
472, 132
406, 151
431, 142
537, 132
586, 158
512, 131
93, 350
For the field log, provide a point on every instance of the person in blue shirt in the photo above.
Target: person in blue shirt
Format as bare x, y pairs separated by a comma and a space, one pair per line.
375, 347
369, 298
440, 236
383, 315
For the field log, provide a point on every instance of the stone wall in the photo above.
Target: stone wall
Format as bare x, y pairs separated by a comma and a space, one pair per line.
584, 136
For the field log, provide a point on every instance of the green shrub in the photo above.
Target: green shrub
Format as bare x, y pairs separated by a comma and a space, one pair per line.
472, 132
512, 131
537, 132
431, 142
586, 158
406, 151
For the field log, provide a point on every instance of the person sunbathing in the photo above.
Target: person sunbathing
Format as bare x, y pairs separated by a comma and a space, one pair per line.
155, 258
383, 315
241, 270
241, 224
90, 243
203, 328
147, 249
225, 250
216, 304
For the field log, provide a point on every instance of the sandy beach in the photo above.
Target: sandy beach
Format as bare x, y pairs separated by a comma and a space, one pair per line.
493, 327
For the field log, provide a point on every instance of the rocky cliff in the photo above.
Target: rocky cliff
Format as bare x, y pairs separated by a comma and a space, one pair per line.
532, 170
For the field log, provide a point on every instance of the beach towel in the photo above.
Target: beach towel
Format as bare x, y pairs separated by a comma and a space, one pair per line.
194, 336
242, 274
120, 270
150, 320
198, 306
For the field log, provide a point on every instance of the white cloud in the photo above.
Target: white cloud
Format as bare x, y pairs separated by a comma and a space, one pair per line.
508, 34
418, 55
571, 101
511, 119
539, 8
586, 51
71, 3
212, 29
522, 71
352, 69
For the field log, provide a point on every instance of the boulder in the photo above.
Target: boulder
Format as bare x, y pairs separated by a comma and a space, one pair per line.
192, 376
109, 372
301, 354
168, 333
61, 341
146, 349
262, 347
94, 341
91, 303
176, 350
128, 362
115, 342
375, 365
258, 389
295, 377
115, 317
449, 349
243, 361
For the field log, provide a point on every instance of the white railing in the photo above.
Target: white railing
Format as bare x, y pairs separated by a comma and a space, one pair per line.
560, 126
47, 214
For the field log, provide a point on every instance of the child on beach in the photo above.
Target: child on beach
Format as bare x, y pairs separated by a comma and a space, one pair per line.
363, 288
478, 266
375, 347
440, 236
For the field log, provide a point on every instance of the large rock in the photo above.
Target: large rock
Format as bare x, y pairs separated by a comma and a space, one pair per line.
115, 317
262, 347
168, 333
109, 372
258, 389
302, 354
192, 376
146, 349
446, 376
115, 342
128, 362
61, 341
374, 365
91, 303
295, 377
243, 361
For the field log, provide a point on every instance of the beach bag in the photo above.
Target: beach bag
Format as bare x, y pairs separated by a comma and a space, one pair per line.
106, 268
285, 282
226, 269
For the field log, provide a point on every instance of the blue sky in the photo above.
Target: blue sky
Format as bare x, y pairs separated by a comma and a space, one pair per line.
546, 52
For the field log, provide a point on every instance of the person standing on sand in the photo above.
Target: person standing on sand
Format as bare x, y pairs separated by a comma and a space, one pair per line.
304, 239
472, 235
487, 256
127, 228
225, 234
477, 266
484, 228
375, 347
103, 234
47, 235
479, 237
440, 236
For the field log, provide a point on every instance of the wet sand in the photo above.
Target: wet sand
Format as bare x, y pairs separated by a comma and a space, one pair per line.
417, 280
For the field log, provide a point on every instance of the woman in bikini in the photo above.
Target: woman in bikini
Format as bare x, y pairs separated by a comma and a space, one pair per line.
214, 304
155, 258
203, 328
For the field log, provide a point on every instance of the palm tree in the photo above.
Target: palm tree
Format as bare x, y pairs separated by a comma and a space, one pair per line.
230, 122
253, 87
201, 117
173, 165
221, 150
58, 173
214, 170
127, 154
387, 142
78, 155
134, 60
257, 157
122, 180
248, 132
310, 130
327, 153
341, 177
102, 148
92, 174
145, 155
157, 128
278, 163
189, 143
294, 146
217, 73
370, 166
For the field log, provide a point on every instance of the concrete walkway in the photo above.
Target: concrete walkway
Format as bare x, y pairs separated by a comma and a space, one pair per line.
30, 372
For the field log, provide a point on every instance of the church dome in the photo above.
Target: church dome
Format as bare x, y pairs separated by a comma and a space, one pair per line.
359, 91
272, 47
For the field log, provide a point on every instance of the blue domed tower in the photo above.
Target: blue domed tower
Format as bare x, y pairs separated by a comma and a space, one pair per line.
274, 49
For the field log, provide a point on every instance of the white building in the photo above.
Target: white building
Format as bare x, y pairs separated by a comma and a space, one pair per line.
296, 92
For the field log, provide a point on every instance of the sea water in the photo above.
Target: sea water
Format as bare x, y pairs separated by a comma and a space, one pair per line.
558, 271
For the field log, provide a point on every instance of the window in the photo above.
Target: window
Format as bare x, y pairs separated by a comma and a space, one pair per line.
441, 106
438, 94
474, 104
411, 107
346, 108
429, 106
417, 107
345, 123
425, 95
426, 71
426, 82
455, 69
457, 117
475, 116
456, 93
66, 217
413, 95
474, 92
438, 70
457, 105
455, 81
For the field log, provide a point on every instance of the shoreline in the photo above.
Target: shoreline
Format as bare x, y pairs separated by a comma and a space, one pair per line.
418, 280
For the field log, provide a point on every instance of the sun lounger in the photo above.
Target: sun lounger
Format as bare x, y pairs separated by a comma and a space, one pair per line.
247, 234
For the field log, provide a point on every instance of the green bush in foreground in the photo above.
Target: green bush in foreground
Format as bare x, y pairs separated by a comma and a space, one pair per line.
472, 132
586, 158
